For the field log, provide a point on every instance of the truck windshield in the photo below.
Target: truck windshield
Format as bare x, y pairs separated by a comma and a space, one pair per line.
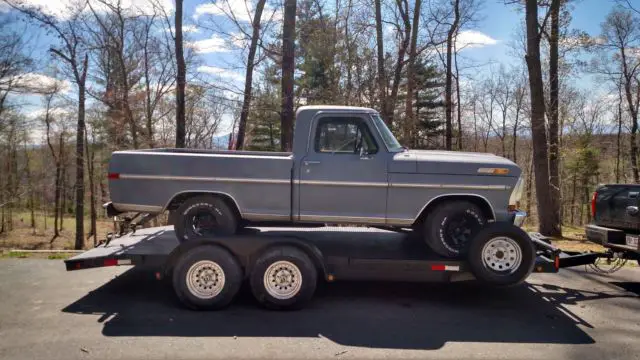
387, 136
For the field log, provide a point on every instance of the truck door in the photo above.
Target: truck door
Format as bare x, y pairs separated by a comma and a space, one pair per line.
343, 176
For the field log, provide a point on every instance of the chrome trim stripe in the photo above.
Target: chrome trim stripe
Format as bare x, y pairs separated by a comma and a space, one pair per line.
139, 208
451, 186
343, 219
400, 222
342, 183
202, 178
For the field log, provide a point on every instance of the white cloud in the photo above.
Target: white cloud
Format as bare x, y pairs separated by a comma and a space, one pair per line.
214, 44
187, 29
33, 82
473, 39
41, 111
241, 10
63, 9
221, 72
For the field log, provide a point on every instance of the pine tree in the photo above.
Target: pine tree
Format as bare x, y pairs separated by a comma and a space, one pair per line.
428, 104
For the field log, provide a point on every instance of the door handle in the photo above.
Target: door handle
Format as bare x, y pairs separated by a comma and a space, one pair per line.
311, 162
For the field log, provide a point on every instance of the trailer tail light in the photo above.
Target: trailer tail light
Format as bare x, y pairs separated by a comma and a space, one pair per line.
445, 268
113, 176
593, 204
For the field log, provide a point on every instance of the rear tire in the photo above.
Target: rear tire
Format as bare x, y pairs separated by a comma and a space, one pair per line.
206, 278
450, 227
204, 216
502, 255
283, 278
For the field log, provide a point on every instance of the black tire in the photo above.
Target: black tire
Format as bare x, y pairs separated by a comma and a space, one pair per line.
489, 272
220, 219
210, 260
305, 281
449, 228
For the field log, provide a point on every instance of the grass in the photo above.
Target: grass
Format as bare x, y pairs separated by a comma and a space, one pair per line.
24, 237
573, 239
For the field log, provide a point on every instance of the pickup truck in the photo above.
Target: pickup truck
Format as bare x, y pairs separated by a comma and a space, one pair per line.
615, 209
346, 167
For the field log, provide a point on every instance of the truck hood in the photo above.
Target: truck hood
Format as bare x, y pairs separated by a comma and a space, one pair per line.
449, 162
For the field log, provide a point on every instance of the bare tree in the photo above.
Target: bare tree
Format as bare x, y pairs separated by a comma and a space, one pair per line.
547, 225
288, 67
621, 34
181, 77
453, 30
74, 55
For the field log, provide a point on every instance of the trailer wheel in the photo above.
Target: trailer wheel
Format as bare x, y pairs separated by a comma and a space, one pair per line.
449, 227
283, 278
204, 216
501, 254
206, 278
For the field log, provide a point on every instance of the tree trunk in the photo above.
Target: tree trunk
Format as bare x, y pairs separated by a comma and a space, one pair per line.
180, 78
288, 67
619, 135
382, 83
90, 155
449, 75
458, 102
409, 120
539, 136
79, 244
554, 89
246, 102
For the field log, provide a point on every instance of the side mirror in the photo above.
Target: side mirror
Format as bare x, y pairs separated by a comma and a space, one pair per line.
363, 151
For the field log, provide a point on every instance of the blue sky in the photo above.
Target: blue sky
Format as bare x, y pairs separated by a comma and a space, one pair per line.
494, 33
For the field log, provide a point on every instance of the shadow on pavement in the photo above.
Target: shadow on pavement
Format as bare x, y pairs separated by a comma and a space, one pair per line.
376, 315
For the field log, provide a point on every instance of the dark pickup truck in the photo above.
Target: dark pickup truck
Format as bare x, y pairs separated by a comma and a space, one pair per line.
615, 209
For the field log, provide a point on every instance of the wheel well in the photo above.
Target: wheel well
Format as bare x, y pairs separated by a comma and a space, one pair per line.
182, 197
482, 203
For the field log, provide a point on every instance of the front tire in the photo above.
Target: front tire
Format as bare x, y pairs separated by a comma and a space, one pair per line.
284, 278
450, 227
204, 216
501, 254
206, 278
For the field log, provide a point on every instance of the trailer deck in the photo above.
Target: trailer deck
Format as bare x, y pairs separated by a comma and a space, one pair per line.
355, 253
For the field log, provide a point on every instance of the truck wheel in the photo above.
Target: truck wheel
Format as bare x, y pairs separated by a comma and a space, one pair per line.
204, 216
206, 278
501, 254
449, 228
283, 278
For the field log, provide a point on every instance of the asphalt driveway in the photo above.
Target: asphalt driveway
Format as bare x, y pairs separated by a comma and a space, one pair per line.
117, 313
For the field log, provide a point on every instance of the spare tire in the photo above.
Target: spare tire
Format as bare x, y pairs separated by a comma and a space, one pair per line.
501, 254
449, 228
203, 217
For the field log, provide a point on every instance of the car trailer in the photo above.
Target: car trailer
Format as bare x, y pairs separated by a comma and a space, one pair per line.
283, 265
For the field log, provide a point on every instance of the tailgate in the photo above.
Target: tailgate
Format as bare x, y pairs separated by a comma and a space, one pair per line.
614, 204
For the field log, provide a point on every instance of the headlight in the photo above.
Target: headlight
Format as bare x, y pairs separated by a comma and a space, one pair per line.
516, 194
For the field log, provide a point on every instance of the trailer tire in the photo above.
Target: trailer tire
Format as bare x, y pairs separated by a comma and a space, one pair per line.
204, 216
206, 278
283, 278
501, 254
449, 228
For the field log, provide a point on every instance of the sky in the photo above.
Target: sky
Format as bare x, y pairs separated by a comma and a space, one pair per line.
489, 42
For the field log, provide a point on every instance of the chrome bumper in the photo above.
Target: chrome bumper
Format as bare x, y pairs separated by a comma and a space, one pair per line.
519, 217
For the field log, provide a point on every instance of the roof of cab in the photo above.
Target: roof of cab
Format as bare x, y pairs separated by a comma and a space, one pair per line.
334, 108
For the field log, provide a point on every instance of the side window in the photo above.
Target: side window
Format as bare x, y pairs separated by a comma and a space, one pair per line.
343, 135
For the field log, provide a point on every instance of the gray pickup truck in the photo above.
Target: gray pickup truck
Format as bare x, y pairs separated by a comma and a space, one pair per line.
346, 168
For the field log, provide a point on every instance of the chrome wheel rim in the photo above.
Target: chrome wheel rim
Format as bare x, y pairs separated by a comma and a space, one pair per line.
205, 279
282, 280
502, 255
